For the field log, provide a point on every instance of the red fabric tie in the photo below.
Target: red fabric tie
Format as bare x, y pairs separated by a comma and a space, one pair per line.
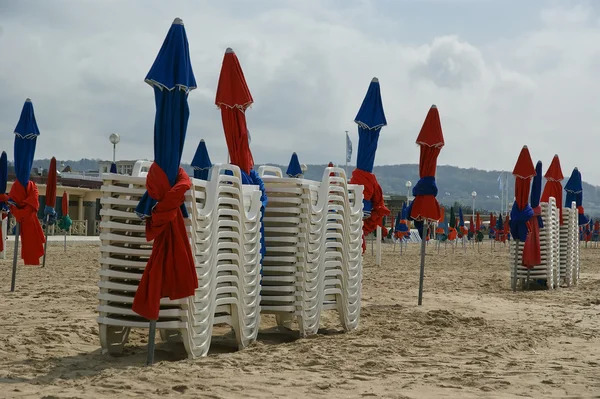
372, 192
25, 213
532, 255
171, 271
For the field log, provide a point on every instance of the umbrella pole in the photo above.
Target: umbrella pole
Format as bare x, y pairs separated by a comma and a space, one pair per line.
46, 242
151, 339
14, 270
422, 273
515, 267
65, 240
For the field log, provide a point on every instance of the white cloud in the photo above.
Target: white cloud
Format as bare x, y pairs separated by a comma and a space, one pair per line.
308, 65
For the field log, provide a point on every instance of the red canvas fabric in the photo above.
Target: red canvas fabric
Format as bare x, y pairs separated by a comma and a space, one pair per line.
65, 203
372, 192
25, 213
51, 184
170, 271
532, 255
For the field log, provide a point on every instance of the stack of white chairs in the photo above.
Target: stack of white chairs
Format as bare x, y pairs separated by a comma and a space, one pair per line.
569, 245
313, 233
224, 233
549, 250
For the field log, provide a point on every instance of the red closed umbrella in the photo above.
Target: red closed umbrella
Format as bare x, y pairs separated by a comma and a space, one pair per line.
65, 203
521, 211
553, 187
51, 184
233, 98
425, 207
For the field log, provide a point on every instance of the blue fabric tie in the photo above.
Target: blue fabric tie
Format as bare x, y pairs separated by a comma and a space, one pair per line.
254, 179
518, 221
49, 215
425, 186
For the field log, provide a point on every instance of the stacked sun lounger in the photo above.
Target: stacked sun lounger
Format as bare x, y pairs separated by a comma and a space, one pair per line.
224, 232
313, 249
569, 244
549, 247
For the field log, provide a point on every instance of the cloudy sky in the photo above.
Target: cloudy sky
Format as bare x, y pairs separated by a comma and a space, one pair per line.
503, 73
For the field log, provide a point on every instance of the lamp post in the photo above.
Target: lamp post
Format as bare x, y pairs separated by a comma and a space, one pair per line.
408, 186
114, 139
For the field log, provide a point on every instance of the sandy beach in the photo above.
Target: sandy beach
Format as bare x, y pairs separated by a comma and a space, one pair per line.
473, 338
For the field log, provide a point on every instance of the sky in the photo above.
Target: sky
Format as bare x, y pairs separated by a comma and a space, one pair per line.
503, 74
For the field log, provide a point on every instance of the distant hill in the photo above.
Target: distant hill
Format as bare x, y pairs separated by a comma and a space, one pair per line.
454, 184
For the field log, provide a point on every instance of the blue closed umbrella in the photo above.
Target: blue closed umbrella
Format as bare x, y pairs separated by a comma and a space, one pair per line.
172, 79
536, 192
370, 119
113, 168
201, 162
23, 200
171, 269
294, 169
26, 134
461, 219
574, 189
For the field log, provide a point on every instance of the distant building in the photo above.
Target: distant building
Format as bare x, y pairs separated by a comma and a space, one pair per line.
123, 167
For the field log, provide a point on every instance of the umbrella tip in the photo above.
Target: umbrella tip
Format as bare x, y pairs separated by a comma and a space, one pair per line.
524, 146
576, 168
202, 140
433, 106
28, 100
228, 50
374, 80
177, 21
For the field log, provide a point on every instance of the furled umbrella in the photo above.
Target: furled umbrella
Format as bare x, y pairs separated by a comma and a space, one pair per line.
65, 222
596, 231
492, 226
553, 187
370, 119
425, 208
402, 230
574, 189
506, 236
3, 198
463, 231
233, 98
49, 212
452, 233
113, 168
442, 225
201, 162
472, 230
24, 195
500, 234
479, 233
294, 169
532, 255
170, 271
521, 211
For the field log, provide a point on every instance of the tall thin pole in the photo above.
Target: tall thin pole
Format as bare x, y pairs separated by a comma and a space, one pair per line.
422, 273
114, 153
502, 183
46, 243
14, 269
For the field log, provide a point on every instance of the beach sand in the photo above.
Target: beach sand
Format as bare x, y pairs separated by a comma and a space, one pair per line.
472, 338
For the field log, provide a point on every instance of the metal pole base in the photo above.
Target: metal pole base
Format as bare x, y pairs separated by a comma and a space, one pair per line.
151, 339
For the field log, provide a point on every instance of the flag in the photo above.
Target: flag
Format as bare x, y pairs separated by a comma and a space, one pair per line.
348, 148
500, 183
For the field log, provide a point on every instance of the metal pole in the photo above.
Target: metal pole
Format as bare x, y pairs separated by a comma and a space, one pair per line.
14, 270
66, 240
151, 339
114, 153
422, 274
378, 245
46, 243
515, 267
4, 233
